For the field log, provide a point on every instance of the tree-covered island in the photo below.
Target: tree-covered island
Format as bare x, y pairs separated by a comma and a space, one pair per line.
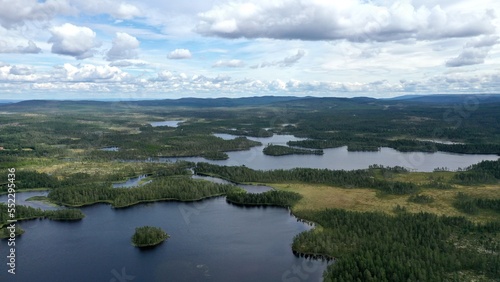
148, 236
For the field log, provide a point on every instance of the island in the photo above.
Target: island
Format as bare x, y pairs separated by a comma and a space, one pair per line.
278, 150
148, 236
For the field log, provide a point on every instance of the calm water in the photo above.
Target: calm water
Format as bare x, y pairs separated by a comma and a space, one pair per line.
170, 123
211, 240
249, 188
132, 182
110, 149
340, 158
21, 200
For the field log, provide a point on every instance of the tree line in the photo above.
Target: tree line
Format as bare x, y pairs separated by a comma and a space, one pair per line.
485, 172
278, 150
27, 212
161, 188
402, 145
273, 198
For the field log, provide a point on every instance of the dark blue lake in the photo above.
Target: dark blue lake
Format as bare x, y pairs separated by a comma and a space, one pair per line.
211, 240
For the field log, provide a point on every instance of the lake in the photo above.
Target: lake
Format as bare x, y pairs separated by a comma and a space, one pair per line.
248, 188
169, 123
132, 182
339, 158
211, 240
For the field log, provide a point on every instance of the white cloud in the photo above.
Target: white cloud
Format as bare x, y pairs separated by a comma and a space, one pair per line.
88, 80
353, 20
91, 73
26, 49
124, 47
229, 63
128, 63
71, 40
178, 54
17, 73
117, 9
286, 62
21, 70
17, 12
474, 52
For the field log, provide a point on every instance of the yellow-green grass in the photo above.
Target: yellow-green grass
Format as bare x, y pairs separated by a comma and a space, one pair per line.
423, 177
65, 168
318, 197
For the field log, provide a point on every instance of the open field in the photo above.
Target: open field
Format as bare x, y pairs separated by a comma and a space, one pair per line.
319, 197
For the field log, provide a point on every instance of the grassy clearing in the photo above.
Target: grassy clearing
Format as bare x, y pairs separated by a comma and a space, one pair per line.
319, 197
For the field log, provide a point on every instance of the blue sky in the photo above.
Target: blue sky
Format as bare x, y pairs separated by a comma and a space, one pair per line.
70, 49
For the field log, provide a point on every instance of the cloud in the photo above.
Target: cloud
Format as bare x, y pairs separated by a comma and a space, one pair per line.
90, 73
16, 73
72, 40
179, 54
21, 70
353, 20
116, 9
286, 62
31, 48
18, 12
474, 52
128, 63
229, 63
124, 47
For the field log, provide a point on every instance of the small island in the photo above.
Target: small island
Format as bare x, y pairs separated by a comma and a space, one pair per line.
148, 236
278, 150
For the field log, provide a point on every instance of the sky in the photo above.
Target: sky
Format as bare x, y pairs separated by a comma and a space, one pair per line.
100, 49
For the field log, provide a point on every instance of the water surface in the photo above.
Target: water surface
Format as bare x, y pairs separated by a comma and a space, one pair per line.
211, 240
169, 123
132, 182
339, 158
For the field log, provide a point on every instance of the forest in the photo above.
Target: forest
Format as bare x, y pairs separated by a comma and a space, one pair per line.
161, 188
270, 198
27, 213
406, 247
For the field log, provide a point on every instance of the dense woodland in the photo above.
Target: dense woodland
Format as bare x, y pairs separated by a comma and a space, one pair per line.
408, 247
270, 198
26, 212
161, 188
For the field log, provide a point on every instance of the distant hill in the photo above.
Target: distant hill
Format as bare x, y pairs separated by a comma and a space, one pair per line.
449, 98
217, 102
183, 102
7, 101
280, 101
